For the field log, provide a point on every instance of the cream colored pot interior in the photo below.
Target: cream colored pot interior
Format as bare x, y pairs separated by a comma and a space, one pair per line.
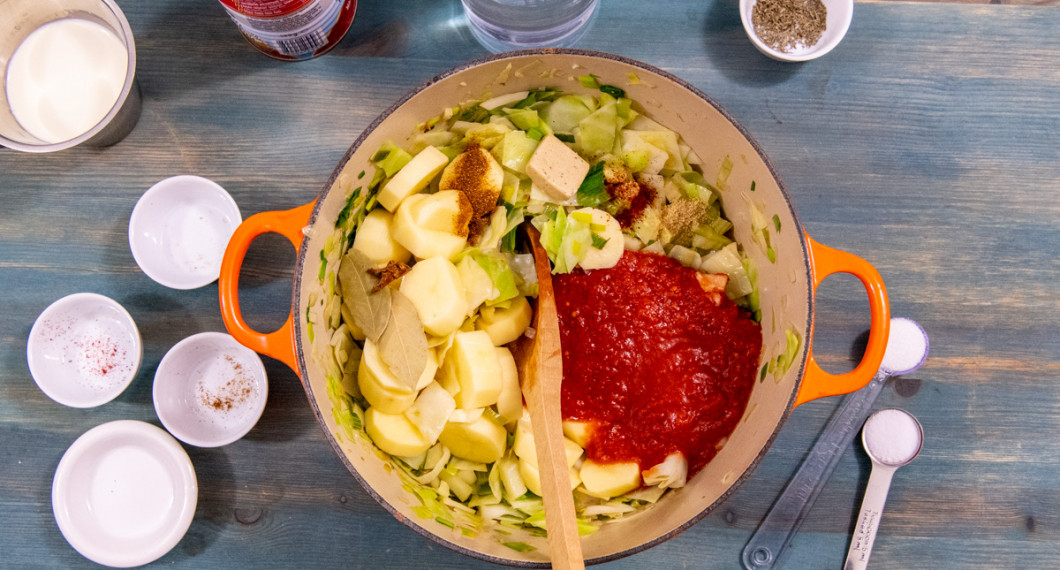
785, 286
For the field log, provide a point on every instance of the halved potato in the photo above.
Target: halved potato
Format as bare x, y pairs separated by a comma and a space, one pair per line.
510, 399
608, 480
578, 432
432, 225
412, 177
434, 287
383, 390
481, 441
430, 412
470, 371
508, 324
375, 240
532, 476
394, 433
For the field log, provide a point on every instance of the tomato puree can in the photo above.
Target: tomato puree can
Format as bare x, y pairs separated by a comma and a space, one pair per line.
292, 30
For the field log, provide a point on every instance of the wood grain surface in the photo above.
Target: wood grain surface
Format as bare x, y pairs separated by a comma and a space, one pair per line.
927, 143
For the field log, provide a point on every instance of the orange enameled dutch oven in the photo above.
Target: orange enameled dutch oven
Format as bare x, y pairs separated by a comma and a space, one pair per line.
787, 286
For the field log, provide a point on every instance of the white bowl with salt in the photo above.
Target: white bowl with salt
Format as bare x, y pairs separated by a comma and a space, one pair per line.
179, 229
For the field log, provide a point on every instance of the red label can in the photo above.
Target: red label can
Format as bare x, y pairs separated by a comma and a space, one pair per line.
292, 30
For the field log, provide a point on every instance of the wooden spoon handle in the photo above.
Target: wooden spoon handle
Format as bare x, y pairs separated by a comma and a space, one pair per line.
541, 381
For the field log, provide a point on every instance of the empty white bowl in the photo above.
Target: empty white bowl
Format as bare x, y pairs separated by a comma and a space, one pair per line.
84, 350
179, 230
124, 493
840, 13
210, 390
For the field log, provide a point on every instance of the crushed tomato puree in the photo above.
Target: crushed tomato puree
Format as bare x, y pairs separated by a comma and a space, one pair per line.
652, 362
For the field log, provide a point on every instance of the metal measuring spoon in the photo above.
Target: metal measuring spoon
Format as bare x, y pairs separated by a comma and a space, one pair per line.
907, 349
892, 438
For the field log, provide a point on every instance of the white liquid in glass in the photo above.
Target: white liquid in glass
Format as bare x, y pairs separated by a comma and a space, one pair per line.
65, 77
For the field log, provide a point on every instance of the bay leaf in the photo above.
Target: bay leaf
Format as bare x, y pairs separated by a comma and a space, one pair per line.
371, 311
403, 346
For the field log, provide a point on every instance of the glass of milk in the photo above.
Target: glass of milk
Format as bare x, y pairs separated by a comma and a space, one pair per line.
68, 75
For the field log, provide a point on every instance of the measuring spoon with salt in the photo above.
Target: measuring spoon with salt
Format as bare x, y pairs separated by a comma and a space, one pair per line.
892, 438
907, 349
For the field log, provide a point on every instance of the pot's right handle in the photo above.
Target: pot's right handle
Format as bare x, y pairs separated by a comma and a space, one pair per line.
816, 383
278, 344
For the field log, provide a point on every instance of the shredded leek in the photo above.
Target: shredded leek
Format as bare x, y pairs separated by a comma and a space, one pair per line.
724, 172
590, 81
592, 191
351, 203
536, 96
391, 158
613, 91
791, 349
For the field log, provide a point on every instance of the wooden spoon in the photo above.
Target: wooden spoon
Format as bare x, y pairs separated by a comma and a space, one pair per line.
540, 363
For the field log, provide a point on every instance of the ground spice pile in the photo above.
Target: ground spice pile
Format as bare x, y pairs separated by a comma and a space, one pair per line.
101, 354
236, 390
786, 25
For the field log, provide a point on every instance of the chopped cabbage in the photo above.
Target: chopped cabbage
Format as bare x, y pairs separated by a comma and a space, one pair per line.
596, 133
670, 474
565, 113
514, 150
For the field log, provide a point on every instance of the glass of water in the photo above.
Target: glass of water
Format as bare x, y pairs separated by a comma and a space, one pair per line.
503, 25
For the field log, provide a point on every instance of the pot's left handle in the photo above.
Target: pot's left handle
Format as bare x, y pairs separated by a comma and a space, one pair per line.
816, 383
278, 344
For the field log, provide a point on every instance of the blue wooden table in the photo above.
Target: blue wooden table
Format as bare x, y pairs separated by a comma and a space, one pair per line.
927, 143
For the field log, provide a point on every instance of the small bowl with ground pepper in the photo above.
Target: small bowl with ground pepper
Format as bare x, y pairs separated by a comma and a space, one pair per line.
210, 390
796, 30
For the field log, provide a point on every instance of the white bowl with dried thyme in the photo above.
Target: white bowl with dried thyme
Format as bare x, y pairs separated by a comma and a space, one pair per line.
796, 30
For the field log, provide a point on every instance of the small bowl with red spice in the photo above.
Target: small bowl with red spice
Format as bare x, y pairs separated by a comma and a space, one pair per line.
796, 30
210, 390
84, 350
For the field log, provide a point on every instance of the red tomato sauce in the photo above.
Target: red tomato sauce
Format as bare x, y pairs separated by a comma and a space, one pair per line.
652, 362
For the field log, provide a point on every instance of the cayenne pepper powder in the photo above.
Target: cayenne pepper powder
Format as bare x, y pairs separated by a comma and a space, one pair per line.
101, 355
629, 196
636, 198
102, 359
786, 25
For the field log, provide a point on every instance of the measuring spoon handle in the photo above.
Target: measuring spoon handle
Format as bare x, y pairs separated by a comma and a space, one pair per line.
767, 546
869, 517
